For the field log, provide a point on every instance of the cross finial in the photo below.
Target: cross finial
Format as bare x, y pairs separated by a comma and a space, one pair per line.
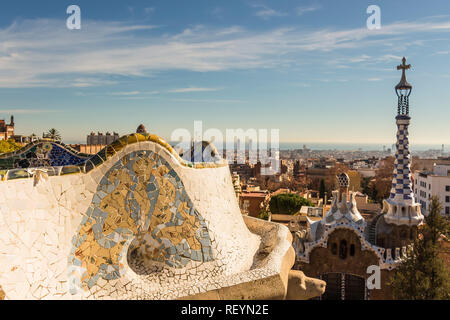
404, 66
403, 84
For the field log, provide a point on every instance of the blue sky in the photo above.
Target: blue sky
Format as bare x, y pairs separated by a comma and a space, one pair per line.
309, 68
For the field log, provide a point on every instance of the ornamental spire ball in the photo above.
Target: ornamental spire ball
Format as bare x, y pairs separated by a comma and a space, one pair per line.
344, 183
344, 180
141, 129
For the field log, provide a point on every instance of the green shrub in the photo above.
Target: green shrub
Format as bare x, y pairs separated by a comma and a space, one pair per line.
287, 203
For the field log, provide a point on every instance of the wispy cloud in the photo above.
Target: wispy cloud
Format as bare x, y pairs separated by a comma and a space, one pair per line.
442, 53
302, 10
42, 53
193, 89
210, 100
266, 12
302, 85
126, 93
217, 12
26, 111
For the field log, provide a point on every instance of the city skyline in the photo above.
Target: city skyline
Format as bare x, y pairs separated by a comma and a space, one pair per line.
311, 69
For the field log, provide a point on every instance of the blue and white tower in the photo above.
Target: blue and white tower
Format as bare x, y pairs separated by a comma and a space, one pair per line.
401, 207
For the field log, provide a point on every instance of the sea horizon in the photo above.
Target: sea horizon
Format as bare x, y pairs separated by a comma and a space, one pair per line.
322, 146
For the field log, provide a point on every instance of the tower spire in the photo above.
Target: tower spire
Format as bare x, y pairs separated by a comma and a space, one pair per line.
403, 90
401, 207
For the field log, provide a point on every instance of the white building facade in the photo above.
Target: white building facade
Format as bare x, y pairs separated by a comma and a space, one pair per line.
436, 183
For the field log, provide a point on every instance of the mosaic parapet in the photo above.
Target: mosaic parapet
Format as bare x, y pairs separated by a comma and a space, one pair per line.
140, 225
42, 153
50, 248
90, 162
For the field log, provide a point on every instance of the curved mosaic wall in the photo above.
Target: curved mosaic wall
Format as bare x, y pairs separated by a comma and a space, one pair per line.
42, 154
141, 198
70, 161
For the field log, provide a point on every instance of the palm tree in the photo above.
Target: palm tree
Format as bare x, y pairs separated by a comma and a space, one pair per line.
53, 134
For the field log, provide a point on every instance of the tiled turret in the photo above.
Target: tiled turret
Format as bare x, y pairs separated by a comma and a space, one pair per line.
401, 207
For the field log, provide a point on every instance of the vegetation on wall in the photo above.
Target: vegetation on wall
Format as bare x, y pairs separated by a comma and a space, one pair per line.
424, 275
287, 203
9, 146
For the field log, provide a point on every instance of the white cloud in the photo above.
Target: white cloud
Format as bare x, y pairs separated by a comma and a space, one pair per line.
302, 10
210, 100
126, 93
192, 89
265, 12
43, 53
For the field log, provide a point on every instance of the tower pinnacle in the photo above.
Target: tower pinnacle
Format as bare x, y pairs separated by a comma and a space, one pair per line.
403, 90
401, 207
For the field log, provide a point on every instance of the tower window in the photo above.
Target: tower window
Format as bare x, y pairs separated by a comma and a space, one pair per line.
343, 249
352, 250
334, 248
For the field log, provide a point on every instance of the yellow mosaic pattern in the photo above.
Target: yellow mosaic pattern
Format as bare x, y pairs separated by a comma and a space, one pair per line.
141, 197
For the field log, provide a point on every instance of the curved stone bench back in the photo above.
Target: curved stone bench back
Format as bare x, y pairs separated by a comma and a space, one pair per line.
69, 234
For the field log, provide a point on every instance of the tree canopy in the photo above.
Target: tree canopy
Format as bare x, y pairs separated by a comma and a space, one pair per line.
423, 275
53, 134
287, 203
9, 146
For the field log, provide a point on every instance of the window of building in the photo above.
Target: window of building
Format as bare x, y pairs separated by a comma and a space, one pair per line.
352, 250
447, 199
447, 188
447, 210
334, 248
343, 249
